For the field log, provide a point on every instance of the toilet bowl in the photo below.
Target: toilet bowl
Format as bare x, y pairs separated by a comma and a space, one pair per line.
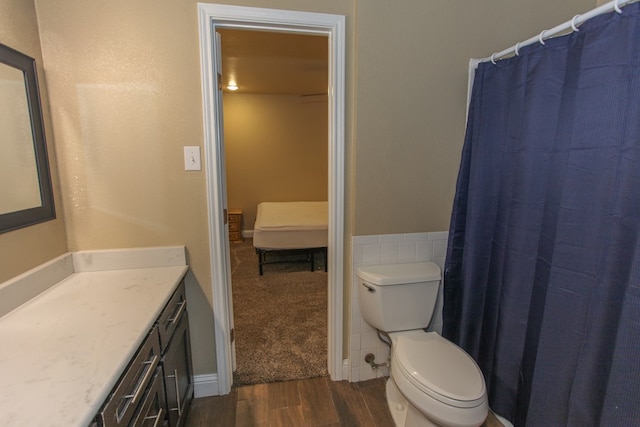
433, 382
437, 382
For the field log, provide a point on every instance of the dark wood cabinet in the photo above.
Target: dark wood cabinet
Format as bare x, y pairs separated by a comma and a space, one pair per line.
128, 395
178, 374
153, 410
171, 315
156, 389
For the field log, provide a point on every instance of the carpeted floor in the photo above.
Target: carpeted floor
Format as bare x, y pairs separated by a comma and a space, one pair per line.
280, 319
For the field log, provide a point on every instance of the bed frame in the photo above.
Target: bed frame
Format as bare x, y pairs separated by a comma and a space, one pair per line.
307, 253
287, 232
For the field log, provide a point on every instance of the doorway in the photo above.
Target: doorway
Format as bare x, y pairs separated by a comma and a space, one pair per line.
212, 17
275, 138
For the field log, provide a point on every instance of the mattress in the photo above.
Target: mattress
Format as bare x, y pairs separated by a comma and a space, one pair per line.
291, 225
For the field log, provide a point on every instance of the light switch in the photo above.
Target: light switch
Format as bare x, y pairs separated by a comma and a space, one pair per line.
192, 158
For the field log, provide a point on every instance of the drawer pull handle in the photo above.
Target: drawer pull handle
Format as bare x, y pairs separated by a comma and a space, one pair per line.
179, 311
175, 381
142, 385
159, 418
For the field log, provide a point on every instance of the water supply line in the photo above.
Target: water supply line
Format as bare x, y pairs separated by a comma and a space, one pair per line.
370, 358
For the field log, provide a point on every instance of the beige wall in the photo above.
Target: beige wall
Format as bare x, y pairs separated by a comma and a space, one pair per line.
412, 61
124, 81
276, 150
23, 249
125, 90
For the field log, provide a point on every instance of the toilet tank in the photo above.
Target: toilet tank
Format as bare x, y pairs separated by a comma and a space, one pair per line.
398, 297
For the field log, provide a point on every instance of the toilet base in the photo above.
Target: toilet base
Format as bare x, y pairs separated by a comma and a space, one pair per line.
404, 414
399, 408
397, 404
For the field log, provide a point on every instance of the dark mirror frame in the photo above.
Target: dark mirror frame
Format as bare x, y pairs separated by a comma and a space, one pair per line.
45, 212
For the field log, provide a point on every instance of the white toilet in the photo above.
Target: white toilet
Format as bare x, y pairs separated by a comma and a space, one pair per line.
433, 382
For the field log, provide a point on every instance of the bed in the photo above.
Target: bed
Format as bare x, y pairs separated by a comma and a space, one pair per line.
290, 228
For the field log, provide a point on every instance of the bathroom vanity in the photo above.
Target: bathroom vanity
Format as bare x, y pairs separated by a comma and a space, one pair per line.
97, 338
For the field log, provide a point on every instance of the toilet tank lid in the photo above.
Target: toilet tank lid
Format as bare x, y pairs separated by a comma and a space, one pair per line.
396, 274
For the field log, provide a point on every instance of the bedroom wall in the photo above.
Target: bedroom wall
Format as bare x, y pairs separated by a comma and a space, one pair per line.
276, 150
23, 249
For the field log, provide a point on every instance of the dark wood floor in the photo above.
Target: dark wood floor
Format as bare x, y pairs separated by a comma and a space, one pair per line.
309, 402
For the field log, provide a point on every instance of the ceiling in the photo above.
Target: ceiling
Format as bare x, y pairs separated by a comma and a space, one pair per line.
280, 63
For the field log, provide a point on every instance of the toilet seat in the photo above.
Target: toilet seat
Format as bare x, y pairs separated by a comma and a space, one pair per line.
438, 368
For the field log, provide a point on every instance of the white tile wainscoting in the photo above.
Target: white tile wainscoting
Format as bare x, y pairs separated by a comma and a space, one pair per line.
387, 249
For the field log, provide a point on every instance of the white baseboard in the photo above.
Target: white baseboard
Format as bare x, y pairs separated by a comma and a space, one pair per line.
247, 234
205, 385
345, 369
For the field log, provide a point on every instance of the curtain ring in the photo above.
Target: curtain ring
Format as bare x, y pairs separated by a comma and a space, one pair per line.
616, 7
541, 37
518, 49
573, 23
493, 60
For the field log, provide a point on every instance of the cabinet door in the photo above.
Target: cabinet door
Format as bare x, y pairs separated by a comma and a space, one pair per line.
178, 374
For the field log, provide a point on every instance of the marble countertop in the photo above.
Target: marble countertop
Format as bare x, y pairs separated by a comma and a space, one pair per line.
62, 351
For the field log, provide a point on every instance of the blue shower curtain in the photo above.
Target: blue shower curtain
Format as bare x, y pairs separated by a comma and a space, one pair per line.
542, 277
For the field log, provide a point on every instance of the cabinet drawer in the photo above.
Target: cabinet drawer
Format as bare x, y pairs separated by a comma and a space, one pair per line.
170, 317
234, 226
122, 404
153, 410
234, 218
178, 374
234, 236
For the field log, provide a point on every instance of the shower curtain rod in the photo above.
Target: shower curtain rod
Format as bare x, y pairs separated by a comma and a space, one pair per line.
569, 25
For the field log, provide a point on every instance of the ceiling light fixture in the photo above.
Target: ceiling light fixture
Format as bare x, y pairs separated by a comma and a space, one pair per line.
232, 87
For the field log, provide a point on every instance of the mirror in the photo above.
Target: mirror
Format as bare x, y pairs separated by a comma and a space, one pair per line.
26, 196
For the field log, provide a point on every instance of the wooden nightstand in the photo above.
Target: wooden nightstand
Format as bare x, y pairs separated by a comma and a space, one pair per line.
235, 225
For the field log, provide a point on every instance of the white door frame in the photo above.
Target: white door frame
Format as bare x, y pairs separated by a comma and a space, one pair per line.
212, 16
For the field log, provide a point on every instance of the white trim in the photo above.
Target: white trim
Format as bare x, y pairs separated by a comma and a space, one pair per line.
212, 16
216, 228
205, 385
345, 368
